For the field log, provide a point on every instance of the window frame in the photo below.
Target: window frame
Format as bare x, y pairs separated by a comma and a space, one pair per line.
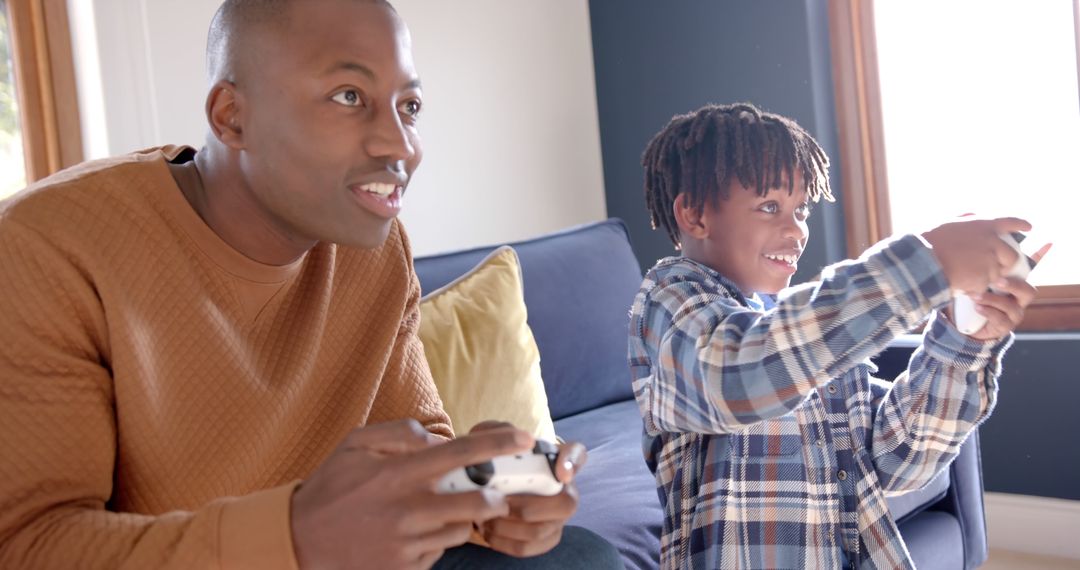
45, 86
864, 180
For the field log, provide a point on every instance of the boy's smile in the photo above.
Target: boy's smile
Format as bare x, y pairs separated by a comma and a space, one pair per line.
755, 241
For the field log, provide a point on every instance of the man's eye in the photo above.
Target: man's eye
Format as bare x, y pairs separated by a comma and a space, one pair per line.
349, 98
411, 108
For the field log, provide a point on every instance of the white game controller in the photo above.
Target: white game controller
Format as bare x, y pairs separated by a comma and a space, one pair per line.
967, 320
527, 472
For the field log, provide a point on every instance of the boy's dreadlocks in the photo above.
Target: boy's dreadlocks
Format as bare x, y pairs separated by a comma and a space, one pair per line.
700, 153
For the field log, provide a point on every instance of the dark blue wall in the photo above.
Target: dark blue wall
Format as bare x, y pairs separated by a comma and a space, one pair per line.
1031, 443
657, 59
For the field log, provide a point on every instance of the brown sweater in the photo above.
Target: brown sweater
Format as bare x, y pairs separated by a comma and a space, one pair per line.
161, 394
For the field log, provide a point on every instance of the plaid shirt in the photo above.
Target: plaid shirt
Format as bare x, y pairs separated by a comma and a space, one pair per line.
769, 448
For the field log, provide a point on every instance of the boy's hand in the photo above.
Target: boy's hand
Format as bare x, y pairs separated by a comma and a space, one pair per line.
373, 501
971, 253
535, 522
1005, 310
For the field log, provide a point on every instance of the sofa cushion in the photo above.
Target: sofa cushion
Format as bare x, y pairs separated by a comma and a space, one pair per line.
480, 349
618, 493
579, 285
912, 503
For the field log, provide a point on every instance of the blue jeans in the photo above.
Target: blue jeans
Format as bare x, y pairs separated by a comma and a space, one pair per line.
579, 549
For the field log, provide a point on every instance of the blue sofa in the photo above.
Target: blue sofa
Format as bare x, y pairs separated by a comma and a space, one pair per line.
579, 285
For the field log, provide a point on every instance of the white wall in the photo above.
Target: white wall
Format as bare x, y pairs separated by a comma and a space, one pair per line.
511, 136
139, 66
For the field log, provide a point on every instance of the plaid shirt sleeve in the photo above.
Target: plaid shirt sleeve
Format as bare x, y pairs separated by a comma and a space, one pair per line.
949, 388
704, 363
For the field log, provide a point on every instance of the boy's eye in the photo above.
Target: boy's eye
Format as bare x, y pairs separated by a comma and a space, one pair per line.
803, 210
769, 207
348, 97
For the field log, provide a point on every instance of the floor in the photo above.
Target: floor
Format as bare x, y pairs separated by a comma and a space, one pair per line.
1006, 560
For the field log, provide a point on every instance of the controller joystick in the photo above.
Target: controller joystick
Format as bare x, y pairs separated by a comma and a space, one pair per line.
481, 473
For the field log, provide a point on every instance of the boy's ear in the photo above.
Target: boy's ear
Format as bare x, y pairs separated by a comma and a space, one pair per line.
689, 219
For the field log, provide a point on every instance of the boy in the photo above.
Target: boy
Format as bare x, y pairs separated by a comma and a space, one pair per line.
768, 446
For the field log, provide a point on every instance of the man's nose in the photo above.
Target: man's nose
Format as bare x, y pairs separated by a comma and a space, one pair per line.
389, 139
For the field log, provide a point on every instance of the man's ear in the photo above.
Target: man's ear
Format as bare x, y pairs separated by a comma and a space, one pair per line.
689, 219
223, 112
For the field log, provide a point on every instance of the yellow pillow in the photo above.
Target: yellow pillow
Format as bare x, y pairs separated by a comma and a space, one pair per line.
481, 350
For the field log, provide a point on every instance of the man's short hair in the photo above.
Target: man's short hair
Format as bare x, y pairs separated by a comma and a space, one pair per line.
236, 18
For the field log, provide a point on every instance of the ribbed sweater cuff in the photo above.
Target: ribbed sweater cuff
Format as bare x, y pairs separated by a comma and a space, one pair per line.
255, 531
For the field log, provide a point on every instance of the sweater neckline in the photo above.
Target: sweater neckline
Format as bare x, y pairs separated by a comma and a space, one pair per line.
204, 237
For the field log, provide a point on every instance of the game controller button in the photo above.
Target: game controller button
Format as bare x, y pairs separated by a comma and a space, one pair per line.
481, 473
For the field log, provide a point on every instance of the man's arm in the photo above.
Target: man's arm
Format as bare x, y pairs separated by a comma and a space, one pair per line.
58, 439
720, 367
534, 523
407, 390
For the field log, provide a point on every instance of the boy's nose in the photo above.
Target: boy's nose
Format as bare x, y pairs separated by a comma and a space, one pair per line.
795, 229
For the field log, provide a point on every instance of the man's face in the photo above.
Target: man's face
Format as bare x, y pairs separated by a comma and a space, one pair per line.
329, 111
756, 241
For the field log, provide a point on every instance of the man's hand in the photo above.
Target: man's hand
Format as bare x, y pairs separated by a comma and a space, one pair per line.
971, 253
372, 502
1005, 310
534, 524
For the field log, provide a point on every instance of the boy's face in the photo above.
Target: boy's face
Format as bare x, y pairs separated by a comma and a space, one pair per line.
755, 241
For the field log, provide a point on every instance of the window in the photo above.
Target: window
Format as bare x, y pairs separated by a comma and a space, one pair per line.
12, 168
39, 118
963, 106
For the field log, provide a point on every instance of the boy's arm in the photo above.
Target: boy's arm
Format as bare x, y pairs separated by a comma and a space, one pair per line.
705, 364
949, 388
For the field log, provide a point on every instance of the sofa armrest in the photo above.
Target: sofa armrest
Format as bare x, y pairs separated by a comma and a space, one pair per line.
964, 500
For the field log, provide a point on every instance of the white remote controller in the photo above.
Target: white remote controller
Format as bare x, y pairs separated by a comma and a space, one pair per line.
967, 320
528, 472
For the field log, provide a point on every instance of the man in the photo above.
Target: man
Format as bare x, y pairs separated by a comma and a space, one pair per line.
190, 340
